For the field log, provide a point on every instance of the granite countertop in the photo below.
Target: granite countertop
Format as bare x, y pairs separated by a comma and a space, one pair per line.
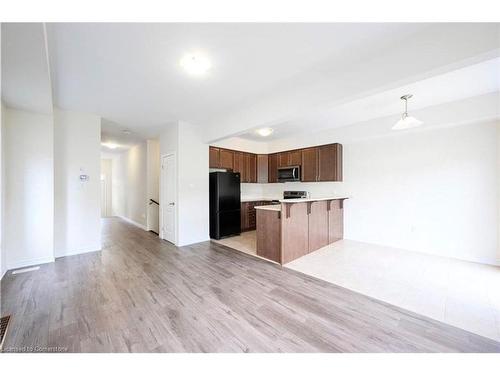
270, 207
300, 200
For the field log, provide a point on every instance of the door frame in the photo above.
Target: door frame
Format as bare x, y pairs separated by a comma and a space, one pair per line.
162, 196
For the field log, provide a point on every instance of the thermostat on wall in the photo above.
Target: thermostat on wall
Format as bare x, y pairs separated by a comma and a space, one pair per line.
83, 177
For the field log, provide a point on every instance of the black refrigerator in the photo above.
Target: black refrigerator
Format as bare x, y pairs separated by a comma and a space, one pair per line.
225, 204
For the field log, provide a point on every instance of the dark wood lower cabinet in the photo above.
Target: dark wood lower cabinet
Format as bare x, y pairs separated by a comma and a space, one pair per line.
294, 231
269, 235
249, 215
318, 225
309, 226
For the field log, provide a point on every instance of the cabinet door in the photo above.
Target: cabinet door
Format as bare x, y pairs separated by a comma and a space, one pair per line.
294, 231
262, 168
294, 157
245, 175
309, 164
213, 157
273, 168
239, 165
318, 225
252, 168
226, 159
330, 162
244, 220
269, 235
283, 159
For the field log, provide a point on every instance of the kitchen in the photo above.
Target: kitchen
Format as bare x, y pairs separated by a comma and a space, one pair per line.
270, 226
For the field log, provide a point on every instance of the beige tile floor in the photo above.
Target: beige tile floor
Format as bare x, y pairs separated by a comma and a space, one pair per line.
245, 242
462, 294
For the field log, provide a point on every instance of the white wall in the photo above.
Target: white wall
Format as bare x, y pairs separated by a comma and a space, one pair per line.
153, 183
192, 217
3, 264
193, 186
119, 180
434, 191
28, 157
136, 187
77, 204
107, 176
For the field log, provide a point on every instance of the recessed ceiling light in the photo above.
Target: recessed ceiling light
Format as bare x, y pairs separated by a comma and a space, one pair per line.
265, 132
195, 64
406, 122
112, 146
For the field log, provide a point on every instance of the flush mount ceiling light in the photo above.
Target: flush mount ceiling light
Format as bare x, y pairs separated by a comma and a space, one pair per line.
112, 146
265, 132
406, 122
195, 64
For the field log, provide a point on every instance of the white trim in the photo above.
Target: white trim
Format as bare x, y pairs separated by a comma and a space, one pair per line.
29, 262
143, 227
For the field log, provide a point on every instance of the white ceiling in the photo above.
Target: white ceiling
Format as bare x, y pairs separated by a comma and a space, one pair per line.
121, 136
25, 70
472, 81
294, 77
130, 74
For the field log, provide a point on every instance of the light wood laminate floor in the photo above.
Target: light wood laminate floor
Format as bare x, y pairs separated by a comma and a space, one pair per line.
142, 294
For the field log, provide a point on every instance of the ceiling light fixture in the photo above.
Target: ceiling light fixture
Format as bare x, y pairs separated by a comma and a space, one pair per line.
112, 146
195, 64
406, 122
265, 132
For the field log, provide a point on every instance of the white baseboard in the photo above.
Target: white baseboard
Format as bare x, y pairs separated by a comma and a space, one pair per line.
139, 225
28, 262
80, 250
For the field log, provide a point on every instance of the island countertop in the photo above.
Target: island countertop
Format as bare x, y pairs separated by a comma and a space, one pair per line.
271, 207
301, 200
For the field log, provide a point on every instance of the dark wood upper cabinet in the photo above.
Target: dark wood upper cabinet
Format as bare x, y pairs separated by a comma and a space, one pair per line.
213, 158
262, 169
322, 163
330, 162
294, 157
252, 168
226, 159
282, 159
289, 158
239, 165
273, 168
310, 164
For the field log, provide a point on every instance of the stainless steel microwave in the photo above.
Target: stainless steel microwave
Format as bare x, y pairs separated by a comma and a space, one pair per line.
289, 174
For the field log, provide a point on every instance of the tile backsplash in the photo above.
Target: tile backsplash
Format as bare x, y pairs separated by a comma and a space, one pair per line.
275, 190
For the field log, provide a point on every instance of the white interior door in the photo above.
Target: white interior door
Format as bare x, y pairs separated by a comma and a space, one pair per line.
168, 198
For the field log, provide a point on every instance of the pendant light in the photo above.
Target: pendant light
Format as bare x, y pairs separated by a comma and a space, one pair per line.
406, 122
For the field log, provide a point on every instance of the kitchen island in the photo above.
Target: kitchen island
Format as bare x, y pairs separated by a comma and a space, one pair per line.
297, 227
